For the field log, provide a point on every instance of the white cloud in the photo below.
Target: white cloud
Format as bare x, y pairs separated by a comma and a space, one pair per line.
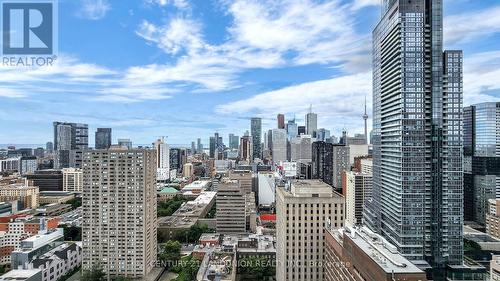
358, 4
481, 72
94, 9
471, 25
179, 4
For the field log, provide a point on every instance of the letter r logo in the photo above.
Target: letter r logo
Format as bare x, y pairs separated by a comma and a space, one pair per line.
28, 28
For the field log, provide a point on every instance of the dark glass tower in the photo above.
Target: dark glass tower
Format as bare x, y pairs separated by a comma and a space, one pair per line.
256, 131
103, 138
417, 135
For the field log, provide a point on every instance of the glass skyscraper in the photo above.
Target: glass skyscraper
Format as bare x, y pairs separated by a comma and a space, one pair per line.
482, 159
256, 130
417, 135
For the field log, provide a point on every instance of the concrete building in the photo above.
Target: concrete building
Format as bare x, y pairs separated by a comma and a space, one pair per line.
162, 160
311, 123
303, 210
301, 149
417, 135
495, 268
10, 165
72, 179
267, 188
493, 218
103, 138
244, 178
357, 188
22, 191
279, 145
55, 197
340, 158
246, 149
231, 208
27, 164
119, 211
188, 170
358, 254
357, 150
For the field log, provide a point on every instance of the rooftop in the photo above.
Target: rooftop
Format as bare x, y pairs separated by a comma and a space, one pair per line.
169, 190
378, 249
20, 274
311, 188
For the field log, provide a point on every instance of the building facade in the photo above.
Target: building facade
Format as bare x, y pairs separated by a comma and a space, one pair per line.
72, 179
417, 135
357, 188
303, 210
279, 145
162, 160
103, 138
256, 130
231, 206
119, 211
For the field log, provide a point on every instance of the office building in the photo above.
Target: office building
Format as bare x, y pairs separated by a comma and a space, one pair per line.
125, 142
70, 140
246, 149
47, 180
292, 129
49, 147
27, 164
493, 218
199, 146
281, 121
357, 188
323, 135
311, 123
212, 147
234, 141
301, 149
256, 129
162, 160
482, 159
72, 180
175, 159
358, 254
24, 192
417, 136
322, 161
231, 206
10, 165
103, 138
119, 211
188, 170
301, 130
303, 211
279, 145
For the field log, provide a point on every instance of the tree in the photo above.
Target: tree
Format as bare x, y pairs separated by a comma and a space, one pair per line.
193, 234
169, 207
256, 268
94, 274
187, 269
75, 203
171, 252
72, 233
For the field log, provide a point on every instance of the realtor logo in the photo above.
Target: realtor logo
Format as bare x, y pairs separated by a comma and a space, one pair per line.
28, 28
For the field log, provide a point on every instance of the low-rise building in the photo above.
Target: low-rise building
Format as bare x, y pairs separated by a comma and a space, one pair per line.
55, 197
353, 254
21, 190
495, 268
22, 275
54, 209
167, 193
493, 218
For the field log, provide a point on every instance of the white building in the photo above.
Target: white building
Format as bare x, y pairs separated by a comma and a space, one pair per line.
162, 160
279, 145
358, 188
357, 150
72, 179
267, 188
495, 268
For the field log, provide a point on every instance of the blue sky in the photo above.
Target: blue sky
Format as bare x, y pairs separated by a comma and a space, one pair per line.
187, 68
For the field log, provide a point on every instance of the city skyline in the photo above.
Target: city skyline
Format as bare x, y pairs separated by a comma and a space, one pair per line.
189, 73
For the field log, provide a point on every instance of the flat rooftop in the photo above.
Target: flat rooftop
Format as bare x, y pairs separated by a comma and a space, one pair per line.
311, 188
378, 249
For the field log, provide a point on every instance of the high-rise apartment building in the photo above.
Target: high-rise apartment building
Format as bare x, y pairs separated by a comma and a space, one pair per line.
162, 160
356, 187
256, 129
301, 149
212, 147
482, 159
281, 121
119, 211
417, 135
279, 145
340, 158
70, 140
304, 209
199, 146
103, 138
72, 180
175, 159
